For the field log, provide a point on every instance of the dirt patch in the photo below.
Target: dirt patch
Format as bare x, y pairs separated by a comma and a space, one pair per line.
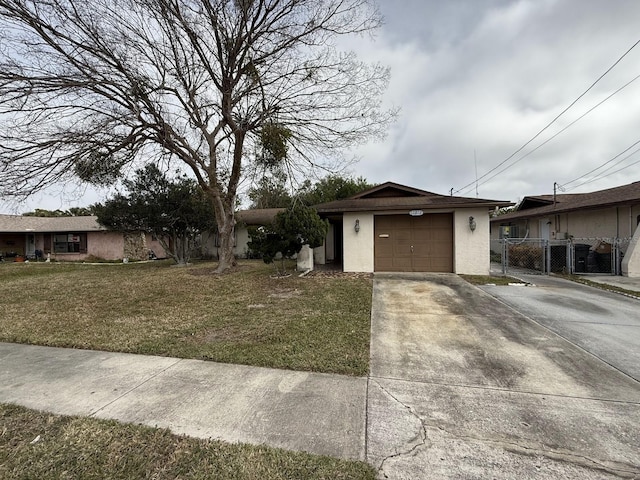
212, 270
285, 293
229, 333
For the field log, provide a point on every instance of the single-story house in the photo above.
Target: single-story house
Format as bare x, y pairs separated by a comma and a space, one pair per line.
70, 238
396, 228
245, 219
610, 213
392, 227
596, 220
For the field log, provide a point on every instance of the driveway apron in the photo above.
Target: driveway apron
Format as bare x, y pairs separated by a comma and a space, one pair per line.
462, 386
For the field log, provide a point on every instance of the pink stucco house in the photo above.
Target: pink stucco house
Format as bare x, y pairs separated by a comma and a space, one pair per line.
70, 239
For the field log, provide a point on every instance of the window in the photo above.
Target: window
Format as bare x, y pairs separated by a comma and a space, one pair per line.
508, 231
70, 243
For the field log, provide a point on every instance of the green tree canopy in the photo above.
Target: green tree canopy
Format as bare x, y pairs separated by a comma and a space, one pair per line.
72, 212
271, 192
176, 210
332, 187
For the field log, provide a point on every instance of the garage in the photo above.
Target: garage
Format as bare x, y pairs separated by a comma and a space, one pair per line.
396, 228
413, 243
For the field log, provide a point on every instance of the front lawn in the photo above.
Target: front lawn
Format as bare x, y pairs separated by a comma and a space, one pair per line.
312, 323
36, 445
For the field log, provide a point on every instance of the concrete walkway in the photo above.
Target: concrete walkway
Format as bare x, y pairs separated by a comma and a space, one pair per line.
318, 413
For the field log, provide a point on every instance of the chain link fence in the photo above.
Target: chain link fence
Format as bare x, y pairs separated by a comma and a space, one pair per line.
572, 256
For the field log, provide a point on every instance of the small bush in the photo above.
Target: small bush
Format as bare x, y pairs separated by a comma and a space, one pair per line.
526, 256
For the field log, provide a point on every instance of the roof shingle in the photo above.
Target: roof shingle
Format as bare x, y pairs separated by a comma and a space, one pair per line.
22, 224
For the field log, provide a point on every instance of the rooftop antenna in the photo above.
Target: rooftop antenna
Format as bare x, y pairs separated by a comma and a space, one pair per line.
451, 192
475, 160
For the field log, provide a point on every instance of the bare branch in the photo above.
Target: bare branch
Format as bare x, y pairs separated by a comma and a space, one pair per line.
89, 88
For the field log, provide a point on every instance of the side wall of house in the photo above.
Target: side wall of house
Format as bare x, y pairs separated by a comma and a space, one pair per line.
471, 248
242, 239
610, 222
155, 246
631, 261
603, 223
358, 246
106, 245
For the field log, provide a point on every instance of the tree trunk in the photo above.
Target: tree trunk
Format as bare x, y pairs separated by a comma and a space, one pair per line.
226, 258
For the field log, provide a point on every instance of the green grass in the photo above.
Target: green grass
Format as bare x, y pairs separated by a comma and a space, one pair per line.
602, 286
489, 279
86, 448
246, 316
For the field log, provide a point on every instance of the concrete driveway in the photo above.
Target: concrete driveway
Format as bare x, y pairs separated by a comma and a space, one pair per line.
462, 386
604, 323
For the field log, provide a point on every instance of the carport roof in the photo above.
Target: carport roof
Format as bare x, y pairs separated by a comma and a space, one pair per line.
393, 196
22, 224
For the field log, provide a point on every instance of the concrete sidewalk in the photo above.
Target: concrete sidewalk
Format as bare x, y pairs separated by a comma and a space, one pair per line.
317, 413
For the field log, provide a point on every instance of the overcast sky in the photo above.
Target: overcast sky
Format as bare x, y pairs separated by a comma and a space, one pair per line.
477, 79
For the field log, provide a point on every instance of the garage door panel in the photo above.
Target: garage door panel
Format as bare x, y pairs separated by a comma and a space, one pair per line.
409, 243
402, 264
385, 250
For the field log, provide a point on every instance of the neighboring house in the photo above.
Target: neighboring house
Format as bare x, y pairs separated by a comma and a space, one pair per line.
600, 224
70, 238
244, 220
611, 213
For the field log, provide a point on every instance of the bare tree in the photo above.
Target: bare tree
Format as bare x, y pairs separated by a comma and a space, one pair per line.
89, 87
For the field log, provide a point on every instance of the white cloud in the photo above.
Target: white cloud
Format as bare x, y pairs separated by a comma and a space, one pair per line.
491, 80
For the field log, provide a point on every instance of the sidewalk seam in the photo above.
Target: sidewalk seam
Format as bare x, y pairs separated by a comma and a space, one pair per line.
93, 413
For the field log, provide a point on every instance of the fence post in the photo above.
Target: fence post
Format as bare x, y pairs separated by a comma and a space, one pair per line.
570, 260
546, 257
505, 255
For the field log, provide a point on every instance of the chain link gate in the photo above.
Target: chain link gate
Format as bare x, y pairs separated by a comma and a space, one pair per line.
571, 256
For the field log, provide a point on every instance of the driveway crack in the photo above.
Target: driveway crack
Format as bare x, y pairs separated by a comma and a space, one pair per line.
615, 468
421, 437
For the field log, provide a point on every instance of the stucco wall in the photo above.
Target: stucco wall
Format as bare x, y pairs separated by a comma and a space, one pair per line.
358, 247
631, 261
607, 222
471, 249
242, 239
106, 245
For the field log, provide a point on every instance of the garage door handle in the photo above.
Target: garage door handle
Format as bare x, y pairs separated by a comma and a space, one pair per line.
411, 248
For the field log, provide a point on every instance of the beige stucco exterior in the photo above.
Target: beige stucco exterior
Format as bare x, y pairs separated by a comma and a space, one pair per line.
631, 261
358, 246
610, 222
471, 248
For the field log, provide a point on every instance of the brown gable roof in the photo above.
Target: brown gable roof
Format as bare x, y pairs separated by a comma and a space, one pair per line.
21, 224
258, 216
541, 205
393, 196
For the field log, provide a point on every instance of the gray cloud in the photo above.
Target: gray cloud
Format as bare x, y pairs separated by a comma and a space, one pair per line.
487, 76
